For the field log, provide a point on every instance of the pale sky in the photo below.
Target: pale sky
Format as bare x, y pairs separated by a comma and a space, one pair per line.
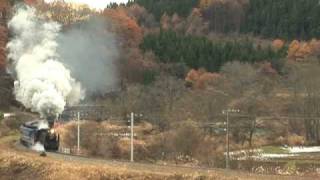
96, 4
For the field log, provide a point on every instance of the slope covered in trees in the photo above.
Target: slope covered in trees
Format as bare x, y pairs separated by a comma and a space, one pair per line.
199, 52
160, 7
283, 18
188, 60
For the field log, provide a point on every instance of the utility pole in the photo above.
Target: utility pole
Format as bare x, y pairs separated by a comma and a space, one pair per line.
226, 112
131, 140
131, 116
228, 144
78, 133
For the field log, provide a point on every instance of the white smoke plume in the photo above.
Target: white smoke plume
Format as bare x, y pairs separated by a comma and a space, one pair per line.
43, 125
92, 59
43, 83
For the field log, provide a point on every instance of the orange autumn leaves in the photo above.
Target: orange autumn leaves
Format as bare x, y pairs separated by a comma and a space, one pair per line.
199, 79
299, 50
126, 26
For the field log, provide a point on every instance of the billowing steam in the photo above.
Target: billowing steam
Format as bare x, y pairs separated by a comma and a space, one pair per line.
89, 51
43, 125
43, 83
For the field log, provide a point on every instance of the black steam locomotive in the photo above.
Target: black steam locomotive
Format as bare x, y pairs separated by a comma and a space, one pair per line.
38, 132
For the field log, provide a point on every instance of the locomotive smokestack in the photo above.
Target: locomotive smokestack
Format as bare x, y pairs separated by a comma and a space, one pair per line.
50, 120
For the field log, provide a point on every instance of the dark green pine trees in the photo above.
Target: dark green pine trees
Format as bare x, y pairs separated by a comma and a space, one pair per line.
197, 52
160, 7
288, 19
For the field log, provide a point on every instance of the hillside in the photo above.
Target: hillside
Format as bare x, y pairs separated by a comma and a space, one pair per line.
185, 68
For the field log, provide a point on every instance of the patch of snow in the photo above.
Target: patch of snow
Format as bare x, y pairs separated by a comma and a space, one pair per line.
257, 154
304, 149
276, 155
243, 152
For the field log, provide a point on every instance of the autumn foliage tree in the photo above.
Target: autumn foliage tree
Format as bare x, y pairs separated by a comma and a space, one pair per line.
130, 32
134, 65
301, 50
200, 79
141, 15
64, 13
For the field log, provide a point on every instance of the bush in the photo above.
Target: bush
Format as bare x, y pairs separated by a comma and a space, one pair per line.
182, 144
187, 139
97, 140
296, 140
210, 152
93, 139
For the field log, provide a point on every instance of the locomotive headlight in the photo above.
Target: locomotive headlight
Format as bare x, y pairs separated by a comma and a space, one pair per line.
52, 131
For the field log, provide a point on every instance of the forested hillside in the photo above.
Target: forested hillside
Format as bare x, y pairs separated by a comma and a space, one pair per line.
273, 19
255, 55
160, 7
181, 63
298, 19
199, 52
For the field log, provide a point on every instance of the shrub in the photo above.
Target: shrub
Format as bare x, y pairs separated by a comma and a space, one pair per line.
93, 139
187, 139
98, 140
296, 140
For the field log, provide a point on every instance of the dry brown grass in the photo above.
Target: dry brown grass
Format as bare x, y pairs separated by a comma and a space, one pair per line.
18, 164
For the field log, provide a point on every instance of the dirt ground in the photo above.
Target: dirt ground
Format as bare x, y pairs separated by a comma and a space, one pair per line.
18, 164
